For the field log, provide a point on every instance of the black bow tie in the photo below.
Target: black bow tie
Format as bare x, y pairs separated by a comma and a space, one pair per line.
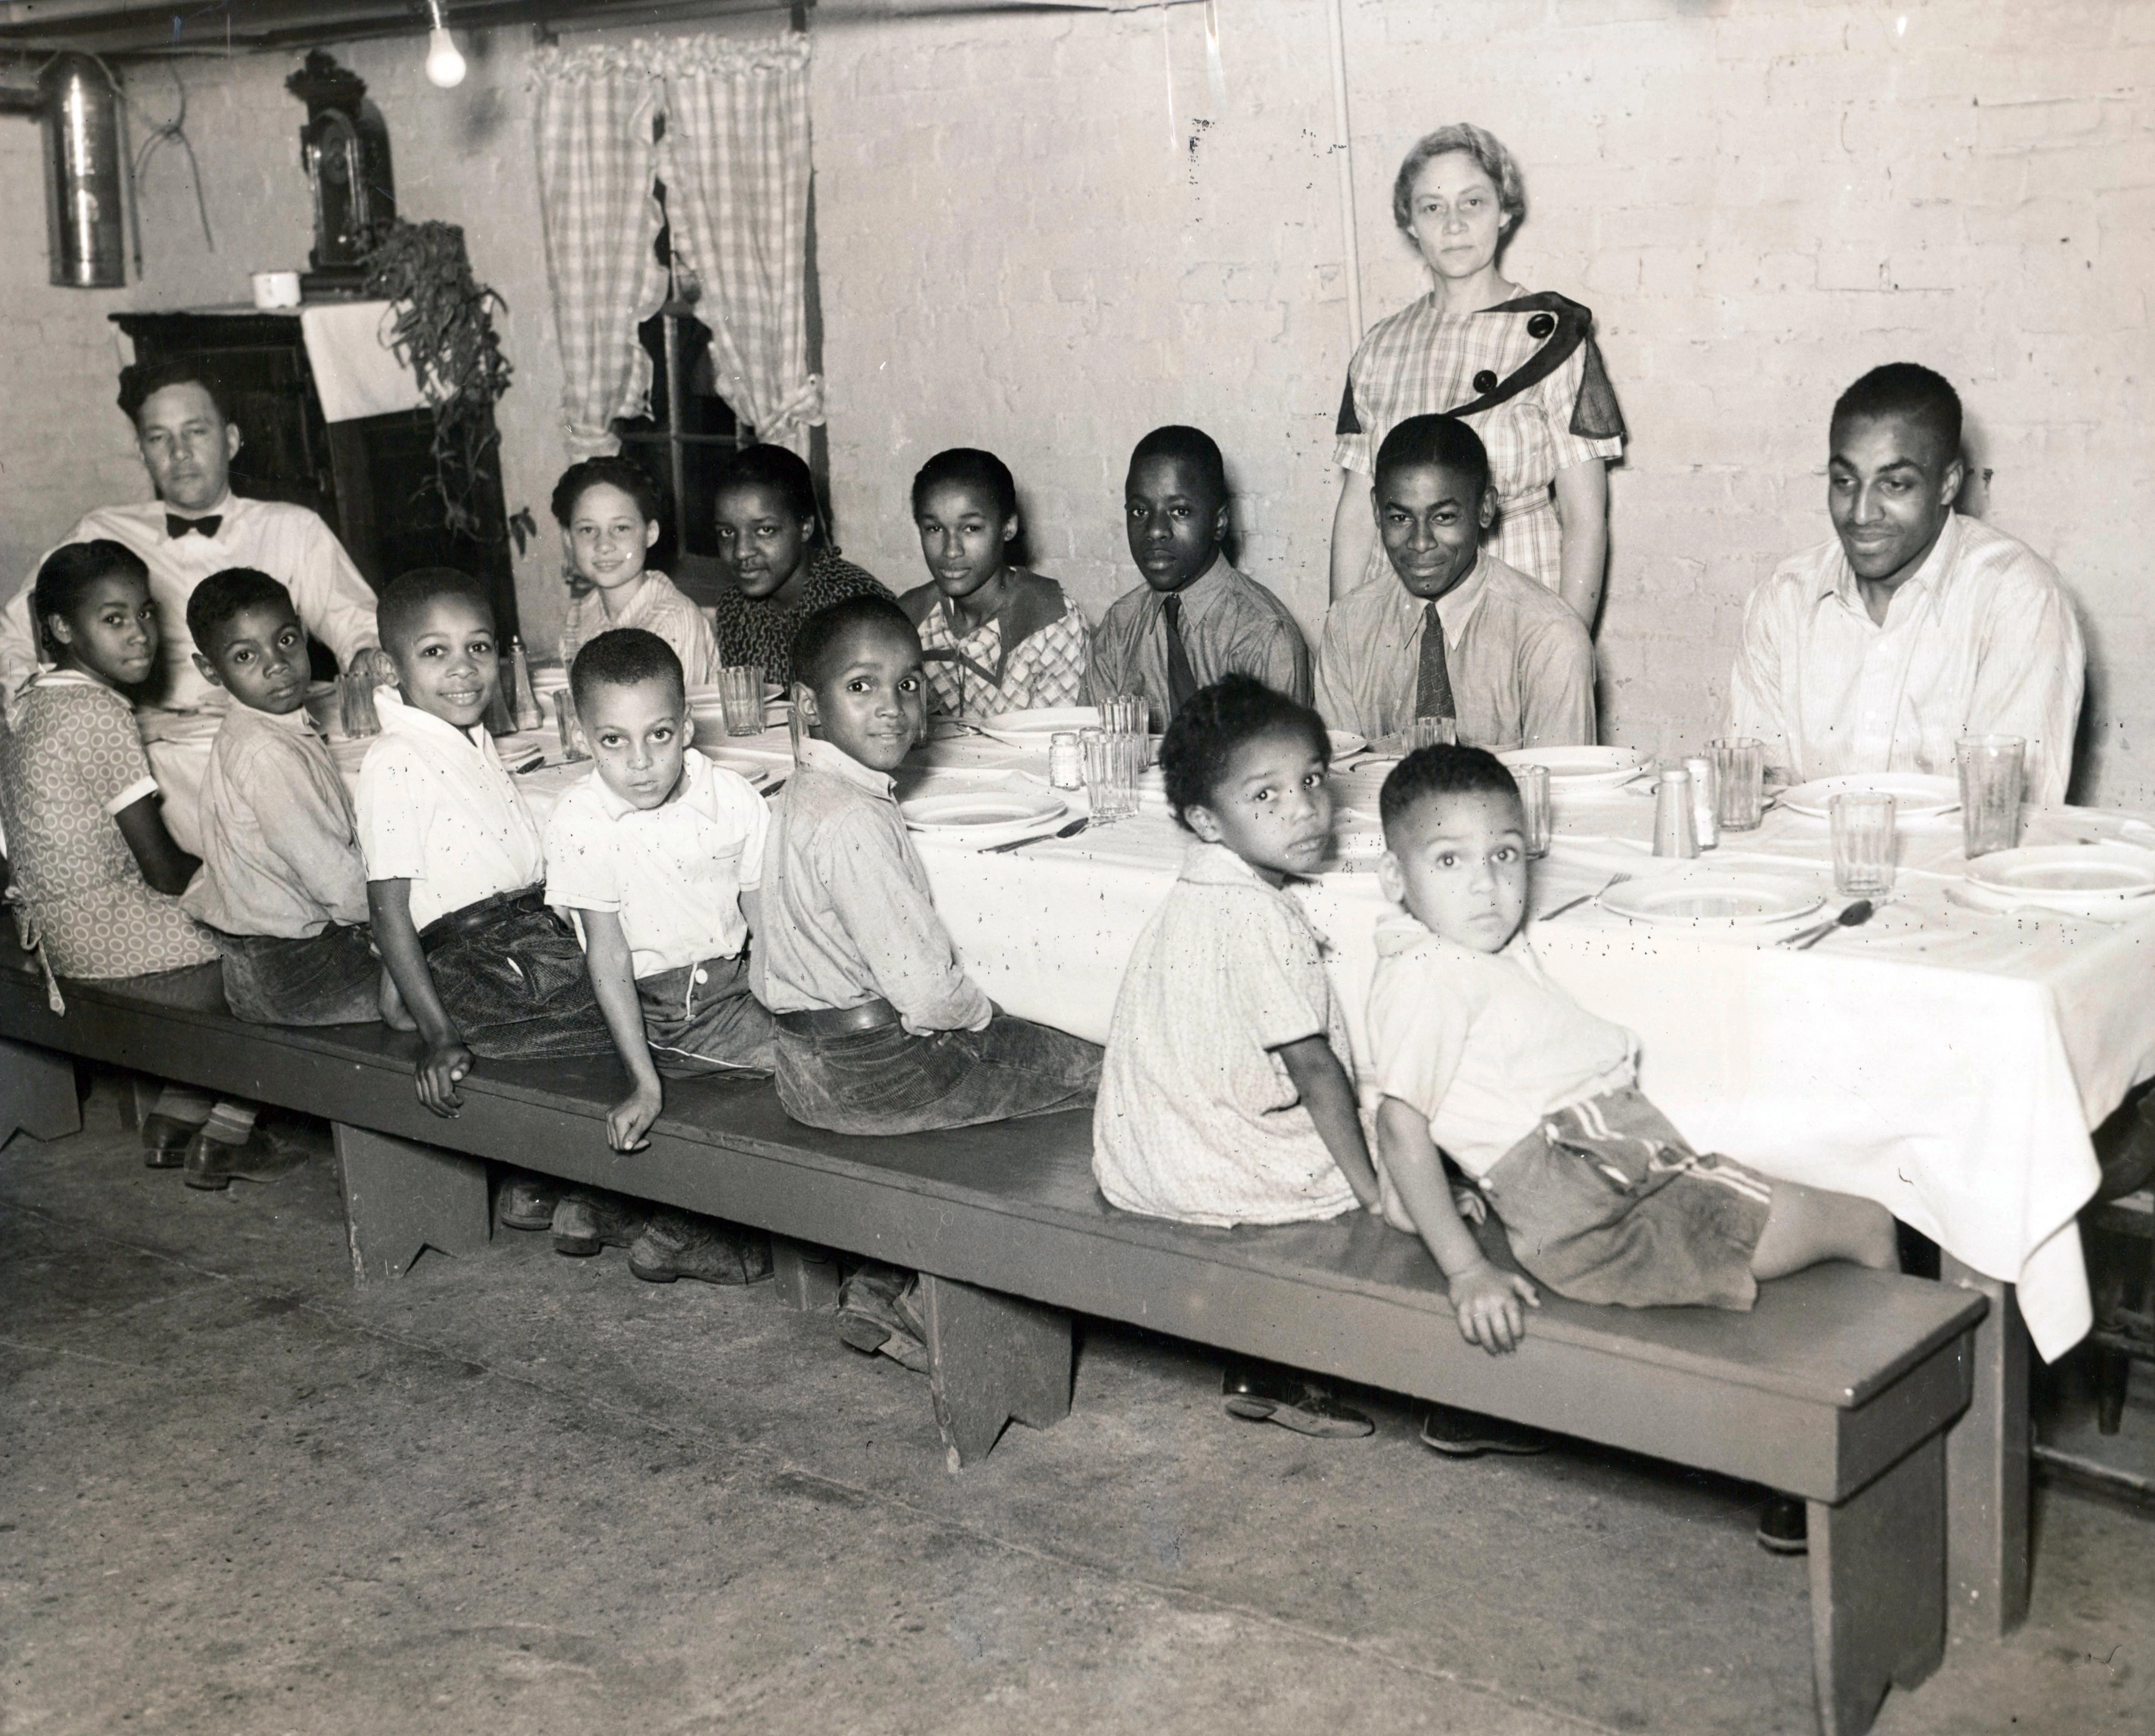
176, 527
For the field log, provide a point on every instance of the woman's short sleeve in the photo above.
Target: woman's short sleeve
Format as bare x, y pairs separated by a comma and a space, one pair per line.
1584, 424
108, 756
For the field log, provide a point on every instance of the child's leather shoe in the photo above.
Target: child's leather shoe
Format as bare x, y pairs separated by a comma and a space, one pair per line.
681, 1244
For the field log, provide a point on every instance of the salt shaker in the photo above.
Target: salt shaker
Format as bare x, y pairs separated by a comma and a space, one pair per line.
1705, 801
1066, 760
1676, 826
523, 702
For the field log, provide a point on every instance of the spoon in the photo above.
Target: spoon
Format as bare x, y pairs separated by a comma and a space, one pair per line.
1853, 917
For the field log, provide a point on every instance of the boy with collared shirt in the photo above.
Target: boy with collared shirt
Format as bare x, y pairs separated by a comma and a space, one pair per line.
283, 888
453, 862
880, 1031
1460, 635
1196, 619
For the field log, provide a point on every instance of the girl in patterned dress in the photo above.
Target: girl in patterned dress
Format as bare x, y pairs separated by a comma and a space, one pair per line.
995, 636
1522, 368
608, 510
96, 876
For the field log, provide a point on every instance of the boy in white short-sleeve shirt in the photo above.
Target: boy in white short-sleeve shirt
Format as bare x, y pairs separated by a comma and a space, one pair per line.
650, 855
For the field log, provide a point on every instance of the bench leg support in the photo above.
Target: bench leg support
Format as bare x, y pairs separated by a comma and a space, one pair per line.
37, 1094
992, 1358
807, 1276
400, 1197
1878, 1589
1987, 1465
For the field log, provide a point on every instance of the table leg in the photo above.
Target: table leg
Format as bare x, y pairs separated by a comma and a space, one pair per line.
37, 1093
807, 1275
1987, 1503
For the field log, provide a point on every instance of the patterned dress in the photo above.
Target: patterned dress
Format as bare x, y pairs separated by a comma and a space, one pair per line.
70, 759
1491, 368
973, 677
762, 633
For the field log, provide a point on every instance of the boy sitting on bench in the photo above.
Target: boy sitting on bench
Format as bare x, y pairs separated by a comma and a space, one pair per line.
453, 862
880, 1031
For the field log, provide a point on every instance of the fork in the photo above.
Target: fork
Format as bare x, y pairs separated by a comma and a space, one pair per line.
1583, 898
1072, 830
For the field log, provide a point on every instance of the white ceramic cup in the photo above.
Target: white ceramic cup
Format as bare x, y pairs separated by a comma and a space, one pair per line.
276, 288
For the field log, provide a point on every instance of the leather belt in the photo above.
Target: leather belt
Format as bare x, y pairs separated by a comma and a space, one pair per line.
839, 1020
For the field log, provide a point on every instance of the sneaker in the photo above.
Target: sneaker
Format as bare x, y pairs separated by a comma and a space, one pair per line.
1784, 1526
212, 1164
587, 1220
1263, 1393
879, 1314
1467, 1435
527, 1202
681, 1244
164, 1141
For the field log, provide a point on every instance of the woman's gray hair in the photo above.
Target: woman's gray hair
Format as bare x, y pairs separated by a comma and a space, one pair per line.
1484, 147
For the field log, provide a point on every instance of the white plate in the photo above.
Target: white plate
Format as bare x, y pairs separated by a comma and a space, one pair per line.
1714, 899
982, 809
1032, 729
1915, 797
1581, 768
1345, 742
2079, 879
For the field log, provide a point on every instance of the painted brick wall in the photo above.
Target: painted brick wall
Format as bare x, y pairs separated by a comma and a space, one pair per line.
1034, 238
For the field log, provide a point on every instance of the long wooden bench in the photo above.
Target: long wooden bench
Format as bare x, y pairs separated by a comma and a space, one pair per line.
1838, 1387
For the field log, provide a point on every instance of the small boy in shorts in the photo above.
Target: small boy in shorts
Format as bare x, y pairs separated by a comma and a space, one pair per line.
453, 862
649, 856
1225, 1097
880, 1031
283, 889
1474, 1049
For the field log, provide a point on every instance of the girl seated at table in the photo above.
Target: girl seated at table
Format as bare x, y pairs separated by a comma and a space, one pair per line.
1225, 1098
995, 636
608, 510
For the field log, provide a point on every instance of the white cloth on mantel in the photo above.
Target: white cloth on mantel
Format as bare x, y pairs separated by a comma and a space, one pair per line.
356, 373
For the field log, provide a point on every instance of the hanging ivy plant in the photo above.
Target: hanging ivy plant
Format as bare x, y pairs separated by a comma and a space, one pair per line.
444, 333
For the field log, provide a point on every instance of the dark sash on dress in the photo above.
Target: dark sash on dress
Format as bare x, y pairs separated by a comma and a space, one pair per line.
1033, 602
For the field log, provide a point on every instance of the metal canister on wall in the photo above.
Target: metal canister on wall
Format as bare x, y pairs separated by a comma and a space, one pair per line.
85, 210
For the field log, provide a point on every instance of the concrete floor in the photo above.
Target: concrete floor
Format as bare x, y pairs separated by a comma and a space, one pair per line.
517, 1492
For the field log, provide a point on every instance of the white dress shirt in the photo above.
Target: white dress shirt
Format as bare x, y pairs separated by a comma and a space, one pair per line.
436, 808
1980, 639
290, 542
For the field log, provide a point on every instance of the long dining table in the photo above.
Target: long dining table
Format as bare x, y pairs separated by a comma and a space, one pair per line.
1945, 1061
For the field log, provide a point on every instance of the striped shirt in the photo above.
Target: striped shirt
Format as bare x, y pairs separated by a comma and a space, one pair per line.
1980, 639
658, 607
1230, 626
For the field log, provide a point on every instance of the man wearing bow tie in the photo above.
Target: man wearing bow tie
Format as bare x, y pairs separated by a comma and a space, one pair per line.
195, 527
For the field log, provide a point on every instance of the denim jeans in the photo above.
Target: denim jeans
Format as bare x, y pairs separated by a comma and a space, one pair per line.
512, 979
891, 1082
701, 1020
332, 978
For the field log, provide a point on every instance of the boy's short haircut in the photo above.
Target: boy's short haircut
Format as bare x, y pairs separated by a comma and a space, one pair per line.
1907, 389
622, 657
1189, 446
775, 468
1218, 718
823, 635
1441, 441
969, 468
69, 572
223, 595
1441, 770
631, 477
140, 382
408, 596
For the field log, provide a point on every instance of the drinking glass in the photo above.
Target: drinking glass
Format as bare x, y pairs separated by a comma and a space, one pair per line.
1739, 766
796, 726
740, 692
356, 711
1432, 732
1111, 783
1991, 768
564, 721
1863, 844
1533, 782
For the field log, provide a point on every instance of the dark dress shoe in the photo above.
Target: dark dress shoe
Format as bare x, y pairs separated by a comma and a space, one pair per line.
1784, 1526
164, 1141
681, 1244
213, 1164
1468, 1434
1264, 1392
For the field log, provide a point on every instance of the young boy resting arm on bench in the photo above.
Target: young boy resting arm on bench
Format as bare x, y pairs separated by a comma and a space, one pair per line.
453, 862
880, 1031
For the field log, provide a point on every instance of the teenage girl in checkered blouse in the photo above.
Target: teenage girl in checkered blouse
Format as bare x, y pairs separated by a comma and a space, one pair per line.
1522, 369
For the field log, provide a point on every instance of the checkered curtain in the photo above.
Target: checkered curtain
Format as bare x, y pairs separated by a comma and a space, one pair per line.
734, 161
597, 110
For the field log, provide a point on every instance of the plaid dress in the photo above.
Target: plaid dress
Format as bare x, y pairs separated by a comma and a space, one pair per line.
1424, 361
762, 633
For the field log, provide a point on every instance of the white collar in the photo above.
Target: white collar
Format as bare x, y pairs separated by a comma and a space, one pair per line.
399, 719
817, 755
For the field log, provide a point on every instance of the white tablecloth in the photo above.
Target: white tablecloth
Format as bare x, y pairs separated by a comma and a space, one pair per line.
1945, 1063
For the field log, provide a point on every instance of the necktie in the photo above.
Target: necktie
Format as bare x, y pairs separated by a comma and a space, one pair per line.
1181, 678
175, 527
1432, 680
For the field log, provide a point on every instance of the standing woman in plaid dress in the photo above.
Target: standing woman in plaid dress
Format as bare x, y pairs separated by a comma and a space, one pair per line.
1521, 368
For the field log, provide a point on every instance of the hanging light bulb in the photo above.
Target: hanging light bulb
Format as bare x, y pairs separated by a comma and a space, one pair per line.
445, 66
